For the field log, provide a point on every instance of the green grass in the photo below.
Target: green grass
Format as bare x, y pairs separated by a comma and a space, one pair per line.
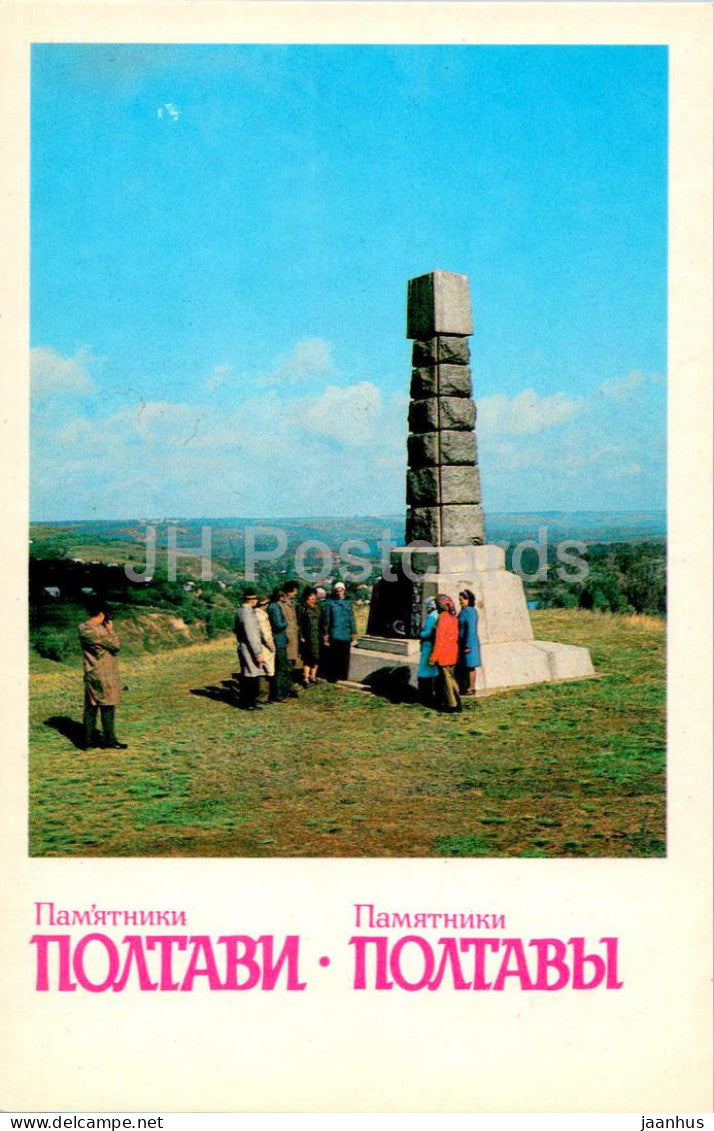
570, 769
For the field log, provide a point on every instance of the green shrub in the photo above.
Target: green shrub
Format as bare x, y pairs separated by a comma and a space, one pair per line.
52, 643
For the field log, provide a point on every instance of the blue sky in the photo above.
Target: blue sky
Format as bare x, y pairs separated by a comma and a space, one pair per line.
221, 240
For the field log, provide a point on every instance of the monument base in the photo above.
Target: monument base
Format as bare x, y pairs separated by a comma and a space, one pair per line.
510, 657
513, 664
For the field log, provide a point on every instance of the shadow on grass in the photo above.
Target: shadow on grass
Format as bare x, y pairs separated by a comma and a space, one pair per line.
392, 683
68, 728
227, 691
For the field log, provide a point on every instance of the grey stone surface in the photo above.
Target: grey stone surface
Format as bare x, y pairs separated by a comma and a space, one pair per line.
464, 562
425, 381
423, 451
423, 525
389, 644
438, 303
448, 350
460, 485
566, 661
424, 415
455, 414
454, 351
454, 380
456, 447
423, 487
425, 353
418, 562
461, 524
509, 664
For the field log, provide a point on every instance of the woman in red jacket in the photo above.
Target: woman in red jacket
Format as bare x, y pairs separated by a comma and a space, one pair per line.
445, 652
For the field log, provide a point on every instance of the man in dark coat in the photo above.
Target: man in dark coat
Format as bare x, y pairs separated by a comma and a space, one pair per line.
102, 688
250, 650
340, 631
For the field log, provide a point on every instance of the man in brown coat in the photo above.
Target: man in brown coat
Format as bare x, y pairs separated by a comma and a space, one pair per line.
102, 689
290, 589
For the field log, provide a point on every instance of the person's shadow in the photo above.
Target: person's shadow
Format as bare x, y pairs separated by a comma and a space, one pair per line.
68, 728
225, 692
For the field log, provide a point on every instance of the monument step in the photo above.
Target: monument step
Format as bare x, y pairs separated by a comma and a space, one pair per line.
393, 646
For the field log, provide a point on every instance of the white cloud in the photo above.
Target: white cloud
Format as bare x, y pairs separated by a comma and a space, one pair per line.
238, 451
525, 414
219, 375
350, 414
348, 443
169, 110
575, 460
627, 470
623, 389
51, 373
309, 357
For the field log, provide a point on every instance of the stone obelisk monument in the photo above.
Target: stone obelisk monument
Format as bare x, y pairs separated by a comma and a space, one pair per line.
446, 548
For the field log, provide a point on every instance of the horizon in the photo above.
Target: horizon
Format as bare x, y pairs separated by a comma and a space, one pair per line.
641, 512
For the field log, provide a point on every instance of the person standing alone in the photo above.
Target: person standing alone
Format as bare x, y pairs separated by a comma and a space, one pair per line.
102, 689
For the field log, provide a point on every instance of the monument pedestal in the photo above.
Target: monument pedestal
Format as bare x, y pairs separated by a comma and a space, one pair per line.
510, 656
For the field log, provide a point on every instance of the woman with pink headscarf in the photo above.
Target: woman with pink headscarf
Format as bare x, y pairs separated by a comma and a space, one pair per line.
445, 653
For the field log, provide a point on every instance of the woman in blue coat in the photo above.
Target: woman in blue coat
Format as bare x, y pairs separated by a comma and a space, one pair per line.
426, 672
469, 647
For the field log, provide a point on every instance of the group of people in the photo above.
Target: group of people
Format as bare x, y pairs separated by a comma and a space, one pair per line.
283, 642
450, 651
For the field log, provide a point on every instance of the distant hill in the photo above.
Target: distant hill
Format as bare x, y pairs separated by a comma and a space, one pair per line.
228, 533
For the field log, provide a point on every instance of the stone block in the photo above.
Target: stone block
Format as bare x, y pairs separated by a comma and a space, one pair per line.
424, 415
389, 644
423, 487
501, 606
425, 381
456, 447
454, 380
448, 350
461, 562
454, 414
460, 484
488, 557
418, 562
453, 351
423, 525
566, 661
423, 451
439, 303
467, 561
441, 380
371, 667
513, 664
461, 524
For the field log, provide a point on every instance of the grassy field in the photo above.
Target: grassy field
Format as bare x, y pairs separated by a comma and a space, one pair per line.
570, 769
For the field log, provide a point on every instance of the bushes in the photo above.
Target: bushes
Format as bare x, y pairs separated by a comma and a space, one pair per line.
621, 579
53, 643
218, 621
